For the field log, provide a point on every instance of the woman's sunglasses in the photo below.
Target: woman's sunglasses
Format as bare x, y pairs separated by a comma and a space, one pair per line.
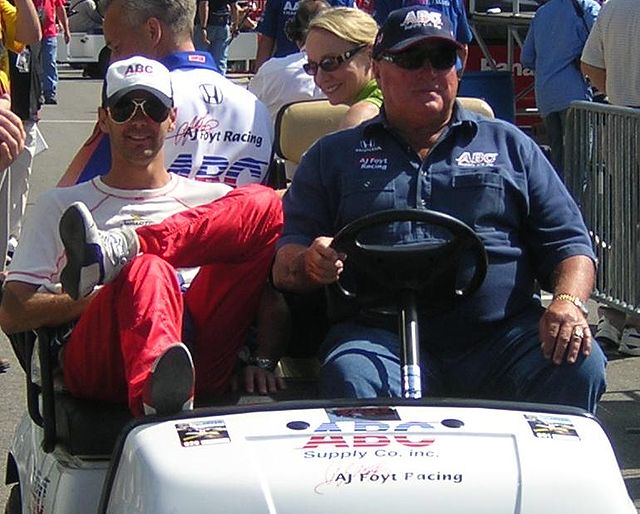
126, 109
439, 58
331, 63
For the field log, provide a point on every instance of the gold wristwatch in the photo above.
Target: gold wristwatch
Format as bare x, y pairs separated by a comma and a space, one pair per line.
574, 300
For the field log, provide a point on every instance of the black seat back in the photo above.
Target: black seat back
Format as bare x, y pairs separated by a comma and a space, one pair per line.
82, 427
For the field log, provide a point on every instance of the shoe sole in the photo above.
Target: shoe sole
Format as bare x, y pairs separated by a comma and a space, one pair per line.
73, 235
172, 382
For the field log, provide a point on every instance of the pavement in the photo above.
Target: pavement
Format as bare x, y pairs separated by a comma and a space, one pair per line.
619, 412
67, 125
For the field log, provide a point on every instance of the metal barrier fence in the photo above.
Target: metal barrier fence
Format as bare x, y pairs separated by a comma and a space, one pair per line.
602, 170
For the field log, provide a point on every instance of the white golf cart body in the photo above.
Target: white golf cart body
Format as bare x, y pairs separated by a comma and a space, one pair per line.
82, 48
439, 456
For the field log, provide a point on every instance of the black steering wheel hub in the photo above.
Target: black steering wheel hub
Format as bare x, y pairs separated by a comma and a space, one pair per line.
434, 270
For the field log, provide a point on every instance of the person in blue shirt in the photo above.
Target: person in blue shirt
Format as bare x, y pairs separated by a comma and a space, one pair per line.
452, 9
424, 151
552, 49
272, 39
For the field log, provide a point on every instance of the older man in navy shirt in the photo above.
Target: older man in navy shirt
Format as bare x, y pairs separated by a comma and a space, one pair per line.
430, 153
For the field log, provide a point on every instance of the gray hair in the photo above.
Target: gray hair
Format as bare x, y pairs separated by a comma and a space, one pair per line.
177, 15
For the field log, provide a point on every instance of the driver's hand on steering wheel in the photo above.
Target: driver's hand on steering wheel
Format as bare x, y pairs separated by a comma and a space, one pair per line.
322, 264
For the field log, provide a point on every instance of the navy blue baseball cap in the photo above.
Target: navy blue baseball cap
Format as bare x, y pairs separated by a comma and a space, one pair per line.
411, 25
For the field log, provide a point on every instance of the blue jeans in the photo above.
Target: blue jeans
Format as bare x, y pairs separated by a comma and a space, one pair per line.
48, 55
219, 40
360, 361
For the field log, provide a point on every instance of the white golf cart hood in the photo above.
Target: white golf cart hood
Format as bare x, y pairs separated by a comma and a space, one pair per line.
437, 459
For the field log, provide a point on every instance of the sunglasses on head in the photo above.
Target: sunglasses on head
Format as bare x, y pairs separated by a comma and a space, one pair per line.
439, 58
125, 109
331, 63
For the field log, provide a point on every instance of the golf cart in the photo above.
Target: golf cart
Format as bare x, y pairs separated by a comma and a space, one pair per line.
317, 456
85, 50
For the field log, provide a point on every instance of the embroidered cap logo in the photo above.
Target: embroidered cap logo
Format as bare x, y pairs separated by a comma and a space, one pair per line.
415, 19
138, 68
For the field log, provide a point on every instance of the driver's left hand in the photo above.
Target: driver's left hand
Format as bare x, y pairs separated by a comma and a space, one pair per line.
255, 379
559, 329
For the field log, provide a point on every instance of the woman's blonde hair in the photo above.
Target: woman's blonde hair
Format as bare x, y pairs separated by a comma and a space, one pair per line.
348, 23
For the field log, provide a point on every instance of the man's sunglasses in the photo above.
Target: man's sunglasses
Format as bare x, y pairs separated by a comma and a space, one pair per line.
126, 109
331, 63
439, 58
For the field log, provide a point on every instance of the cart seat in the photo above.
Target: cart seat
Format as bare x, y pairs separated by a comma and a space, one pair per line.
83, 427
88, 427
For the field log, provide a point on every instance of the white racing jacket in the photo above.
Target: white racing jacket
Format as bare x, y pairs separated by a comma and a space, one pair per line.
223, 132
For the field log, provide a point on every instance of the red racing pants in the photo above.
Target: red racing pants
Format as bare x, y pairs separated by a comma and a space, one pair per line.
133, 319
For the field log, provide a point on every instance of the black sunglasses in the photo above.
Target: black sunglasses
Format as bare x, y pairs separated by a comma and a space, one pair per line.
439, 58
125, 110
331, 63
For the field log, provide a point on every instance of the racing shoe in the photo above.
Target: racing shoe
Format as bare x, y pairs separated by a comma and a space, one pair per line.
93, 256
169, 387
630, 341
607, 334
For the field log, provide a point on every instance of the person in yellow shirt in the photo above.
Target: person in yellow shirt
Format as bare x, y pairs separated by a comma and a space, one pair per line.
19, 26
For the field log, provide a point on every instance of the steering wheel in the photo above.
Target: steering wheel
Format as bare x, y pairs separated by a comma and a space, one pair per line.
377, 275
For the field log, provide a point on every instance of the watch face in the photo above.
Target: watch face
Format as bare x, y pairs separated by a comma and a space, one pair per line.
263, 363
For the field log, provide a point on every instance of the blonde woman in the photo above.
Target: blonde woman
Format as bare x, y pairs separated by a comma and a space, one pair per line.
338, 48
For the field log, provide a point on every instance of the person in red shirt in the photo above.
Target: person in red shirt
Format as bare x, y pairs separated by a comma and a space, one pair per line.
51, 12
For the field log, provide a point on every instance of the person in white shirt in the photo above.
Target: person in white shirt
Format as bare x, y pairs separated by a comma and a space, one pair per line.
282, 80
168, 251
608, 59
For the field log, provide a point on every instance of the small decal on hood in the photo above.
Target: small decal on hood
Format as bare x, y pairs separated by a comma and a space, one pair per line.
551, 427
203, 433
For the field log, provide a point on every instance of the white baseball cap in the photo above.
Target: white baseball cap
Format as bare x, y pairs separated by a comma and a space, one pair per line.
137, 73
